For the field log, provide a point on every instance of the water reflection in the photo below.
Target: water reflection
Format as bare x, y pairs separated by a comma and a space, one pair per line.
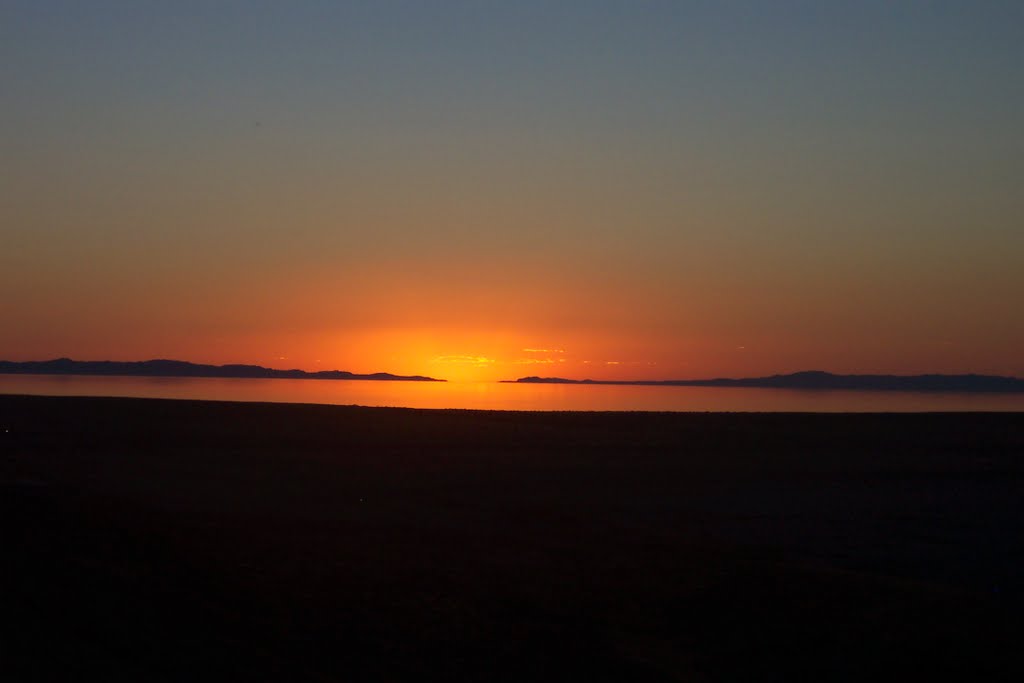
496, 396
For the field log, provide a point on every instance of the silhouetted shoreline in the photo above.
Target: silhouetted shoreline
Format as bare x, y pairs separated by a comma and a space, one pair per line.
172, 540
816, 379
179, 368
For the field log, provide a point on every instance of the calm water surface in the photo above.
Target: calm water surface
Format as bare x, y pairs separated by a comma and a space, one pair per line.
496, 396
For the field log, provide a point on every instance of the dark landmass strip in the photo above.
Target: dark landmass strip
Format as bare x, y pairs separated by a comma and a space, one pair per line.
180, 368
179, 540
816, 379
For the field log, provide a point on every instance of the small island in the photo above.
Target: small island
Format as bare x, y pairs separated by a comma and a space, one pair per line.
820, 380
180, 368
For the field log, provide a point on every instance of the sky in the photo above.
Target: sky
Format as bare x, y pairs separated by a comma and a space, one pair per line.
482, 190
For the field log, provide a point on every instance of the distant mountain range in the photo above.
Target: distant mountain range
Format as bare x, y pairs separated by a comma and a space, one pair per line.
817, 379
180, 368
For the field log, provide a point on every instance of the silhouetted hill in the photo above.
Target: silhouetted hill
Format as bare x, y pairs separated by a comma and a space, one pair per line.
179, 368
817, 379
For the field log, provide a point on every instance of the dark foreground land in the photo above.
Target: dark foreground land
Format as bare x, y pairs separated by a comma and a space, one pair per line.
151, 540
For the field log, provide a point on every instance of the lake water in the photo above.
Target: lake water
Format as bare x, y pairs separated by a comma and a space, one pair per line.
497, 396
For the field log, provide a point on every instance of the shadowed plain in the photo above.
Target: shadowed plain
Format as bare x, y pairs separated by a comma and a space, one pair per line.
172, 540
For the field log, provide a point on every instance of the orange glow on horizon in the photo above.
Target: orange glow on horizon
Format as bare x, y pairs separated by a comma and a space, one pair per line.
452, 355
338, 201
457, 354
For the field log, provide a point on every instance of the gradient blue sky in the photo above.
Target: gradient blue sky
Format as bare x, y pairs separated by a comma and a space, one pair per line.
659, 189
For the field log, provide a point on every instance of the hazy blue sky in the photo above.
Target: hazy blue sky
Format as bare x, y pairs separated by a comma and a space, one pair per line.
681, 188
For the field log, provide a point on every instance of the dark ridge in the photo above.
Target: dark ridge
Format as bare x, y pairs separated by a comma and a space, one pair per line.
180, 368
818, 379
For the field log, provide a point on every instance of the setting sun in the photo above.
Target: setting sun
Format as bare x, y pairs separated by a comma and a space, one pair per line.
512, 340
